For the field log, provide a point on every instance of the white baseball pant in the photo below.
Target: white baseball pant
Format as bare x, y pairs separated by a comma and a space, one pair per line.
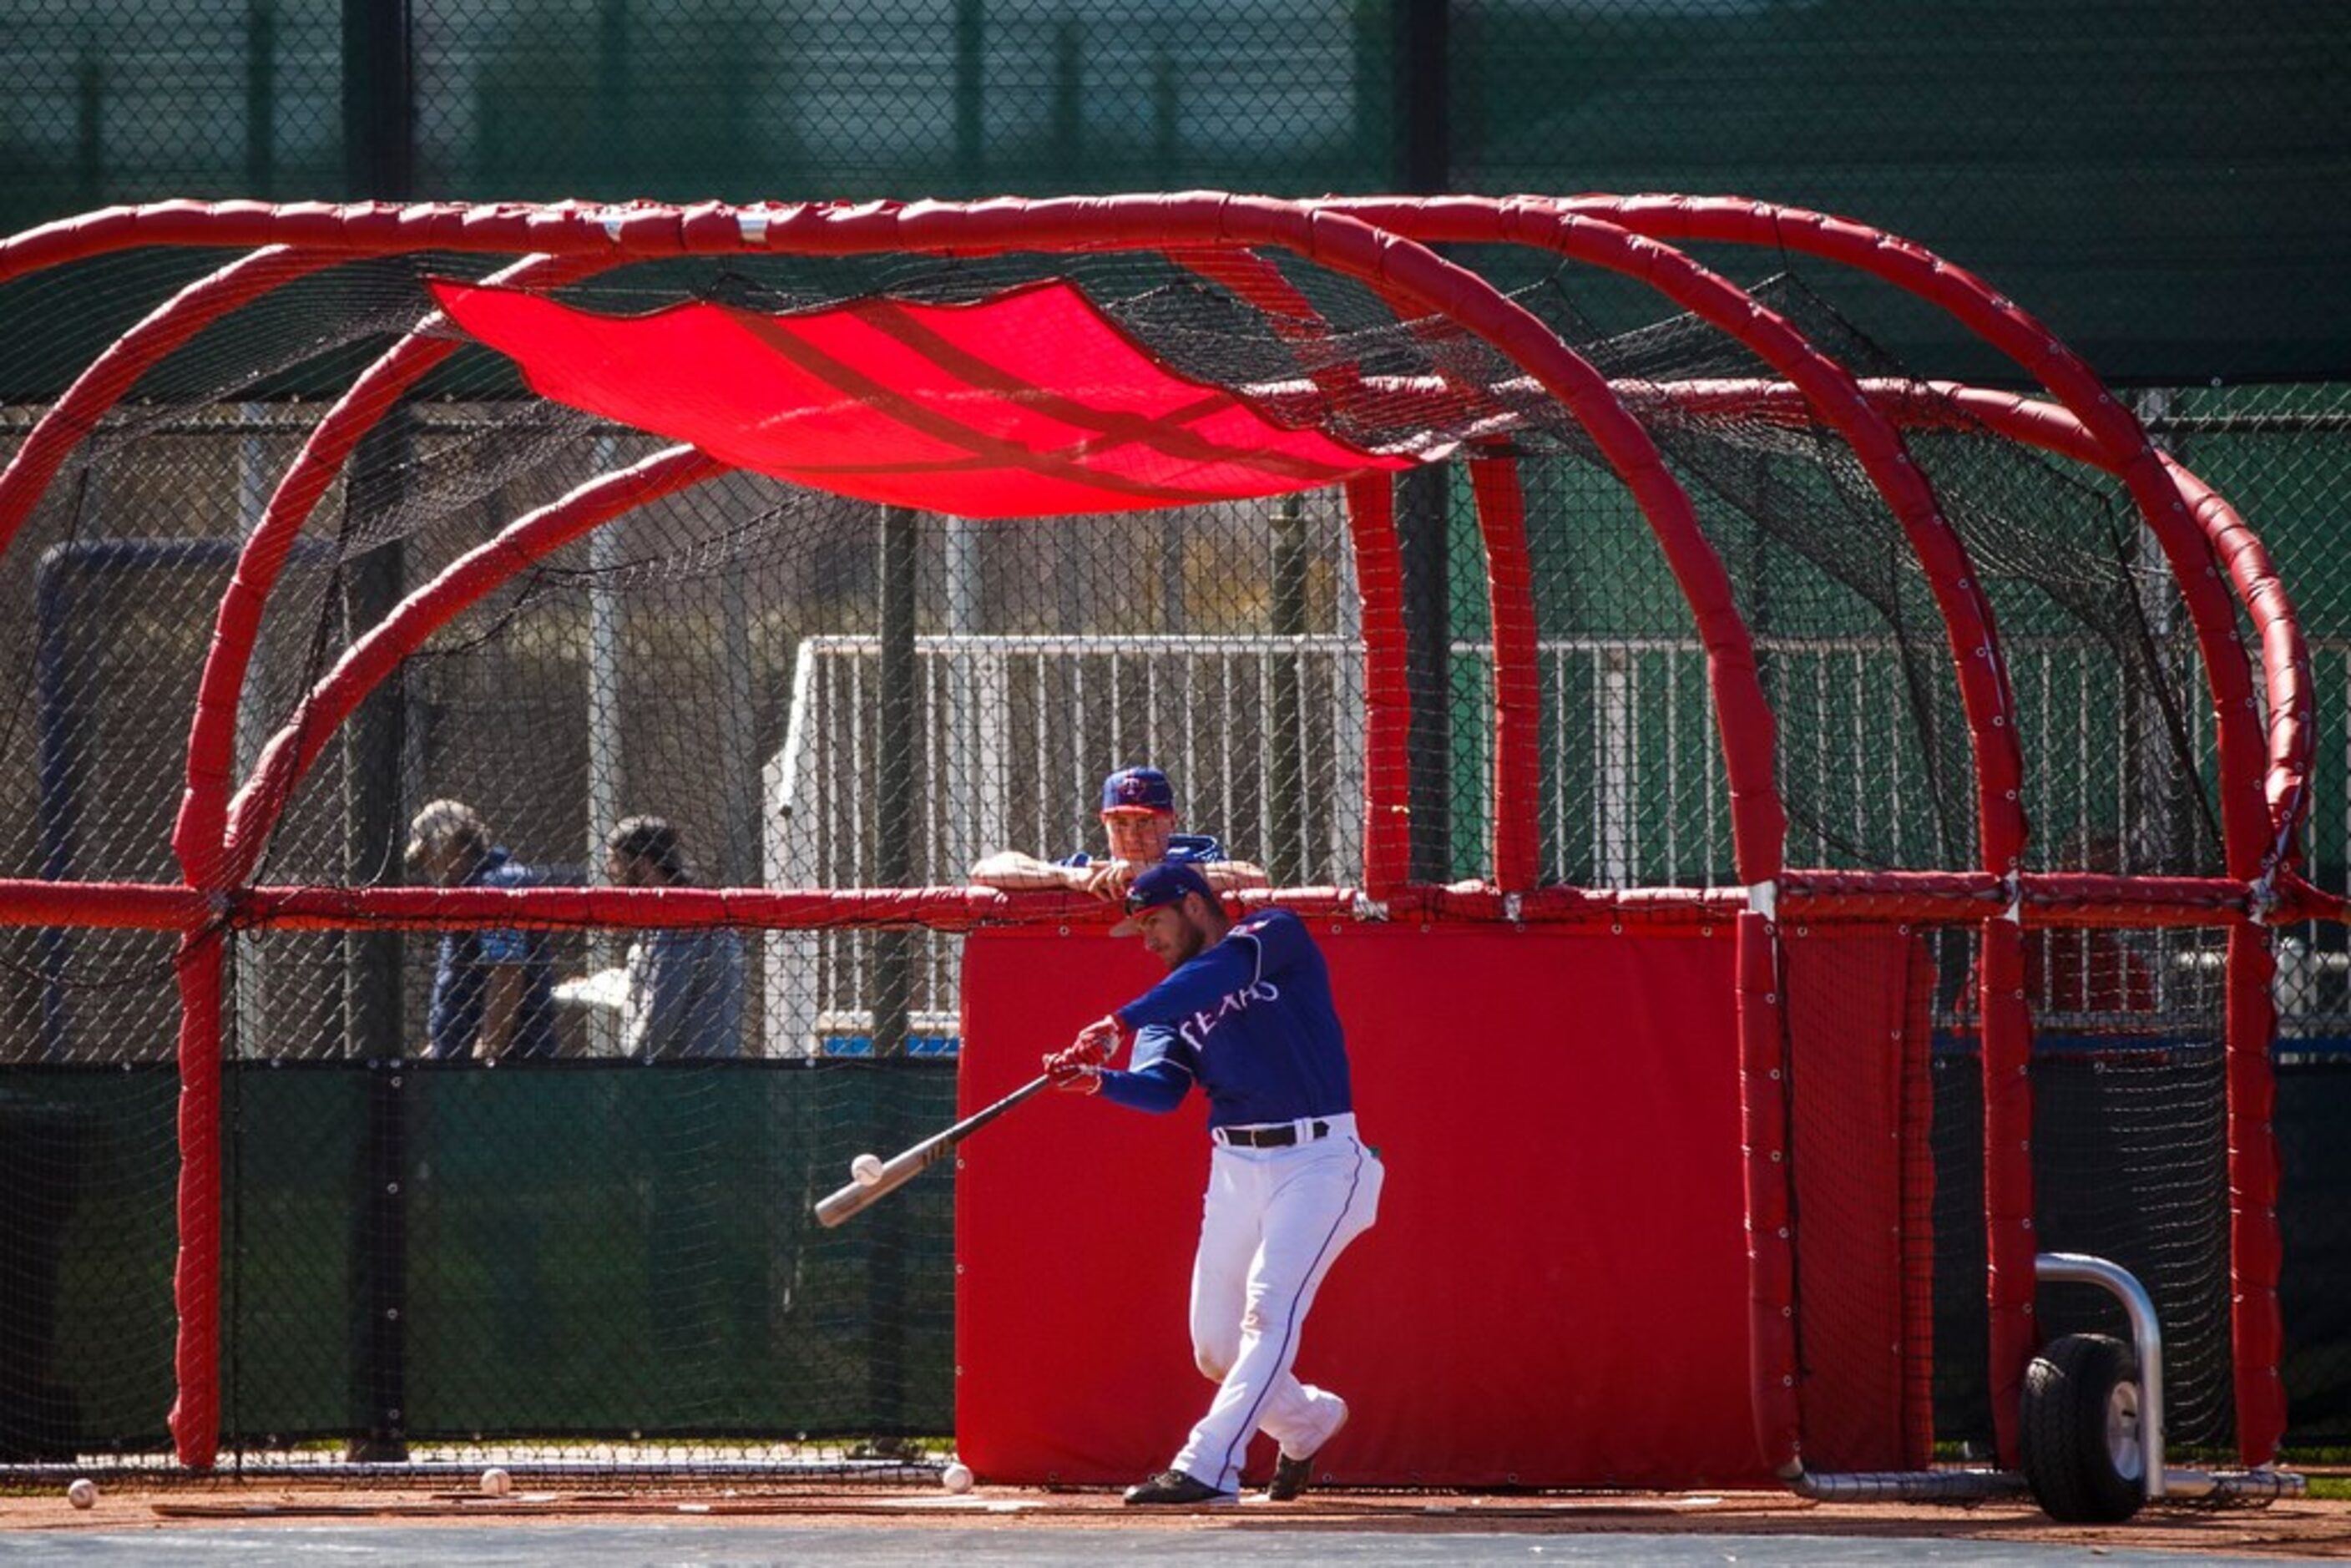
1273, 1222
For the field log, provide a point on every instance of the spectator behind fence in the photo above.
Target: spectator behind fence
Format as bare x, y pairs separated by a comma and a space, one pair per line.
493, 990
685, 995
1138, 815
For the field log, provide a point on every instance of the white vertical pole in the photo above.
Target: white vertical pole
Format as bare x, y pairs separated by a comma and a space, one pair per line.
1669, 658
1347, 727
2153, 828
252, 472
967, 782
1048, 685
1863, 806
1555, 724
1718, 833
1896, 791
1617, 746
792, 984
605, 778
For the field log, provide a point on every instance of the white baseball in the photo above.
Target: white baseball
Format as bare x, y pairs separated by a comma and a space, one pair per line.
495, 1482
866, 1169
83, 1493
956, 1476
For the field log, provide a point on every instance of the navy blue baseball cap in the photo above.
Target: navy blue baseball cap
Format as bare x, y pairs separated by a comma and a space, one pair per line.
1162, 884
1138, 790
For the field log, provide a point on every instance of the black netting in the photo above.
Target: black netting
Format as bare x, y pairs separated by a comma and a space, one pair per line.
89, 1155
818, 696
822, 693
2129, 1163
431, 1255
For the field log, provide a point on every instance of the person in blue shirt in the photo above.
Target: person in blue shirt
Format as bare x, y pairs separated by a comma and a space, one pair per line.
685, 987
493, 990
1246, 1015
1138, 817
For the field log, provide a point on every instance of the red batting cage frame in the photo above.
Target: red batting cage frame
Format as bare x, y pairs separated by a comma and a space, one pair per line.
914, 405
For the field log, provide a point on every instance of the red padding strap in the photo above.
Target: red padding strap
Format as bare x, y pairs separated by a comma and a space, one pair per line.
2010, 1244
1771, 1244
2255, 1250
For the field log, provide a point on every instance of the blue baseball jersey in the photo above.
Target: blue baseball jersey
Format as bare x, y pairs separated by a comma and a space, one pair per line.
1251, 1020
461, 979
685, 995
1182, 849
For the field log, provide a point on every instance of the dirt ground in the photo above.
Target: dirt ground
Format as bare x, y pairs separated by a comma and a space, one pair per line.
2292, 1529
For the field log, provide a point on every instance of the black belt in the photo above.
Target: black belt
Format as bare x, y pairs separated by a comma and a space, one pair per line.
1280, 1137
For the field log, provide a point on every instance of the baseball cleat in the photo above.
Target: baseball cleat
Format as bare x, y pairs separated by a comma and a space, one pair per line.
1291, 1476
1175, 1486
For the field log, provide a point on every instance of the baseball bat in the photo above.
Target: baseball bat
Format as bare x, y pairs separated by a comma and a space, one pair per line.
900, 1169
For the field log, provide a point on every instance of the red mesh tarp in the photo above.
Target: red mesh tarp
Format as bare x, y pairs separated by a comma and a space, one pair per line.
1028, 403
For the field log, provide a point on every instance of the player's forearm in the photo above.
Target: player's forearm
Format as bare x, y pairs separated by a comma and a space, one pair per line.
1013, 873
1157, 1088
501, 1010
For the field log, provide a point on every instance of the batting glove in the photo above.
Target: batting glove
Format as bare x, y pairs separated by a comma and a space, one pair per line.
1073, 1071
1099, 1041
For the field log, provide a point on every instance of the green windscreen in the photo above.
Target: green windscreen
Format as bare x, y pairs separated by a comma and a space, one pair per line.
609, 1248
2161, 181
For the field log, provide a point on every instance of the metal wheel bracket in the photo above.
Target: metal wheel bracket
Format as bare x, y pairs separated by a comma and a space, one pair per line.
2146, 1345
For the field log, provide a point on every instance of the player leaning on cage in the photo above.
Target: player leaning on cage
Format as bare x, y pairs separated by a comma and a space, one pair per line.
1138, 815
1246, 1013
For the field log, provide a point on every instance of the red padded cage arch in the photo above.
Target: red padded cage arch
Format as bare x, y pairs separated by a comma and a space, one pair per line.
1202, 441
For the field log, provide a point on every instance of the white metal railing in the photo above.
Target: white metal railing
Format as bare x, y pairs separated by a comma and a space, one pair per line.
1634, 792
1023, 727
1018, 733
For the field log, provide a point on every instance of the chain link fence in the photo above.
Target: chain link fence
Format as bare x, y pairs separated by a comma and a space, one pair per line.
2137, 172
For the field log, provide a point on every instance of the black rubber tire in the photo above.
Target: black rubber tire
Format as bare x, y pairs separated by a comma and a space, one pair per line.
2080, 1431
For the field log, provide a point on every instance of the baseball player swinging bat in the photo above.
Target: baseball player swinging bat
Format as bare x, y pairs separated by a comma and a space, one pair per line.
901, 1168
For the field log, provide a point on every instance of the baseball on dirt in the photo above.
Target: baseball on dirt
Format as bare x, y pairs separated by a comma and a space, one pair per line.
866, 1169
495, 1482
83, 1493
956, 1476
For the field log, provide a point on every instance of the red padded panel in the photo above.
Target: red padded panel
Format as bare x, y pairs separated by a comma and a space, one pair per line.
1555, 1293
1857, 1013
